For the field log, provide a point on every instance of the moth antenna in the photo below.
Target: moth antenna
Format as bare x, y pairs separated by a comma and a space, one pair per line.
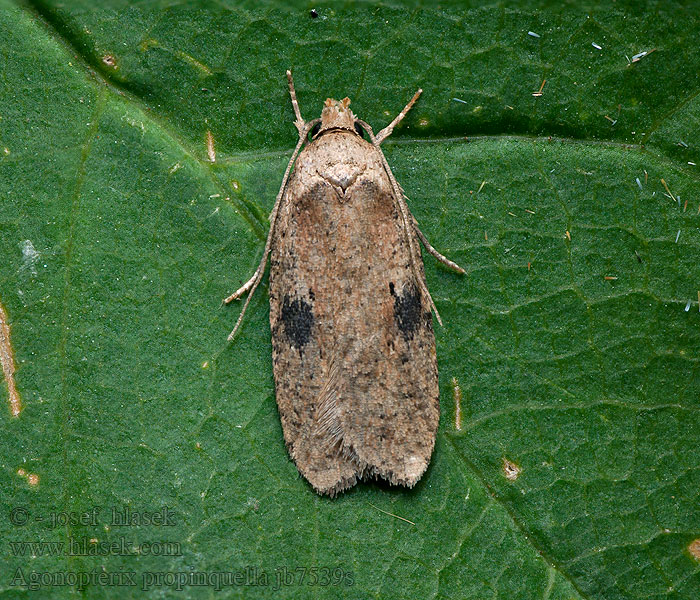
299, 123
386, 132
253, 282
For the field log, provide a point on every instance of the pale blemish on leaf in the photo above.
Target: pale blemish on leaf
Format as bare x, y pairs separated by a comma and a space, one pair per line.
149, 43
32, 478
211, 151
511, 471
194, 62
30, 256
457, 395
134, 123
694, 549
110, 61
8, 364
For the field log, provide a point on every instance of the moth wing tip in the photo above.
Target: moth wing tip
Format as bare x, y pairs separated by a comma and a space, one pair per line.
336, 488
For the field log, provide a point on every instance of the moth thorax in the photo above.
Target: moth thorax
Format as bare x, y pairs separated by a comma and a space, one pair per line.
337, 115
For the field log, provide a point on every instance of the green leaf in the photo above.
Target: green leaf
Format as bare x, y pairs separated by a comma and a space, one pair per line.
571, 468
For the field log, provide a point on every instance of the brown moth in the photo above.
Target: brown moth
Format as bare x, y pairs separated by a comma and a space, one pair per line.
352, 337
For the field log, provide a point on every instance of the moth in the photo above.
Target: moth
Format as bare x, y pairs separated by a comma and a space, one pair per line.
353, 347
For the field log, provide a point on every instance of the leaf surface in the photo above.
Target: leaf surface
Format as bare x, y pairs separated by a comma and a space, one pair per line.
570, 468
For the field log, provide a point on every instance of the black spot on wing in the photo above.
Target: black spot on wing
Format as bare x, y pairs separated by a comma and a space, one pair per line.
298, 320
408, 311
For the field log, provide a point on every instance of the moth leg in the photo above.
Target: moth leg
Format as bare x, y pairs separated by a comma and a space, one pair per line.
386, 132
253, 282
243, 289
443, 259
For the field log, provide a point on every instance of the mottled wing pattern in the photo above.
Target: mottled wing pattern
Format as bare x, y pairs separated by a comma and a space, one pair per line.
353, 345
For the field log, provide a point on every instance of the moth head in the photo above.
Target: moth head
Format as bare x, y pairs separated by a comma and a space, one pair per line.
337, 115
